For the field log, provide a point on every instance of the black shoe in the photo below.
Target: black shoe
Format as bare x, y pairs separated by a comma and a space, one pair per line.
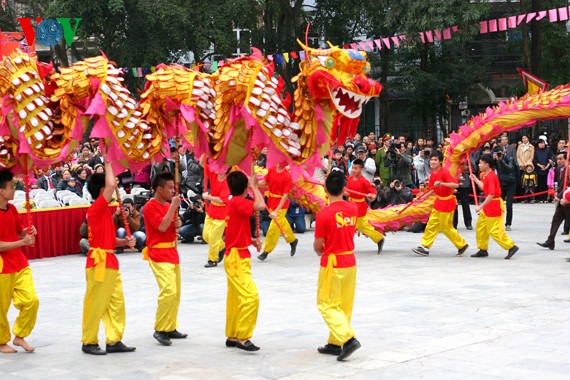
567, 259
480, 253
420, 251
512, 252
176, 335
247, 346
567, 241
330, 349
263, 256
380, 245
162, 338
348, 349
119, 347
564, 233
221, 255
549, 245
92, 349
294, 247
211, 264
461, 251
231, 343
469, 227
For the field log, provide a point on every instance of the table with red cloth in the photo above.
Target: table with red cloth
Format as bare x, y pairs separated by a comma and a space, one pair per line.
58, 231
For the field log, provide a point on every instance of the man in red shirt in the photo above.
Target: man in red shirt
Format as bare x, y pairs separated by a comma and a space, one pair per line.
491, 211
16, 281
215, 222
359, 184
242, 303
104, 298
334, 242
279, 181
162, 221
441, 217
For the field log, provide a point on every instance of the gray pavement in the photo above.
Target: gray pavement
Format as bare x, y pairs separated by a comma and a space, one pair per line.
437, 317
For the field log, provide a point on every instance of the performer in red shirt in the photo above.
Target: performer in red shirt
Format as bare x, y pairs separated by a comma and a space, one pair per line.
491, 211
215, 222
334, 242
441, 217
243, 300
16, 281
162, 221
358, 183
104, 298
279, 181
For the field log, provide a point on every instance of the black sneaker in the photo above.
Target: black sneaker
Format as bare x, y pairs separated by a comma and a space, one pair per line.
330, 349
420, 251
92, 349
119, 347
512, 252
348, 349
162, 338
480, 253
380, 245
294, 247
221, 255
176, 335
461, 251
263, 256
211, 264
247, 346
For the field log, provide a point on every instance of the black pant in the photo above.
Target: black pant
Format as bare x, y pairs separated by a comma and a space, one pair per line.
541, 187
463, 199
508, 193
560, 215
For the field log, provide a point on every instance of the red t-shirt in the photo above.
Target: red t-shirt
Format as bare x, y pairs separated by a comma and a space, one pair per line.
10, 227
154, 212
491, 185
362, 185
101, 232
221, 190
336, 224
238, 229
446, 205
279, 184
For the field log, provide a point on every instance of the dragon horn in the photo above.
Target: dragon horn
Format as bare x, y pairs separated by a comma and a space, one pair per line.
314, 52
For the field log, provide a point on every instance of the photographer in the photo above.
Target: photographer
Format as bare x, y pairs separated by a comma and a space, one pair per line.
402, 164
380, 201
421, 163
398, 193
192, 220
506, 173
134, 221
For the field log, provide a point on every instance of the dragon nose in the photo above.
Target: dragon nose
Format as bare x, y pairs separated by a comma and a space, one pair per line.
363, 83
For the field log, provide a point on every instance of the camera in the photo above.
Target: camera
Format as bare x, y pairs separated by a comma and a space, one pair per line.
377, 182
397, 183
126, 208
427, 153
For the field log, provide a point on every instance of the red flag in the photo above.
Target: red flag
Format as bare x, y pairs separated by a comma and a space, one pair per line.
532, 84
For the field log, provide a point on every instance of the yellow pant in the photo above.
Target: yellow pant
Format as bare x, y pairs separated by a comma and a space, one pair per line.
366, 228
212, 234
168, 279
242, 304
441, 222
103, 300
273, 232
18, 286
336, 309
492, 227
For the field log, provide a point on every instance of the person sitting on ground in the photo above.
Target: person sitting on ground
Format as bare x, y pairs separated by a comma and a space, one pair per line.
134, 221
193, 221
296, 217
397, 193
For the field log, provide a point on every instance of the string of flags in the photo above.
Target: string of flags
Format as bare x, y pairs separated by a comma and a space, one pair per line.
428, 36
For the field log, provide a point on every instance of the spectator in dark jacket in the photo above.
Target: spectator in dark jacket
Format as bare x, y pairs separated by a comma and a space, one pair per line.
542, 163
506, 172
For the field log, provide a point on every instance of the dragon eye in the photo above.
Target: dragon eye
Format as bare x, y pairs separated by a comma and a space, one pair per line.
366, 68
329, 63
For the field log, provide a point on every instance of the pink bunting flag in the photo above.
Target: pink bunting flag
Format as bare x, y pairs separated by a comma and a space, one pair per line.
354, 46
563, 14
437, 34
402, 37
512, 22
270, 57
455, 28
530, 17
520, 18
429, 35
378, 43
447, 33
552, 15
503, 23
541, 15
362, 45
386, 42
139, 72
370, 44
483, 27
493, 25
395, 41
302, 54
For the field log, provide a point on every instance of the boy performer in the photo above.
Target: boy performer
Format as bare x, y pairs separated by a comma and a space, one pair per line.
104, 294
16, 281
358, 183
279, 181
334, 242
491, 211
441, 217
215, 222
162, 221
242, 303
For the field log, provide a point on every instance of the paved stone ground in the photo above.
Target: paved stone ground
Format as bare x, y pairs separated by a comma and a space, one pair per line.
437, 317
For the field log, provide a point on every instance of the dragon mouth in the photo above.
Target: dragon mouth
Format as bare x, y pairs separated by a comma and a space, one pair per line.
348, 103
